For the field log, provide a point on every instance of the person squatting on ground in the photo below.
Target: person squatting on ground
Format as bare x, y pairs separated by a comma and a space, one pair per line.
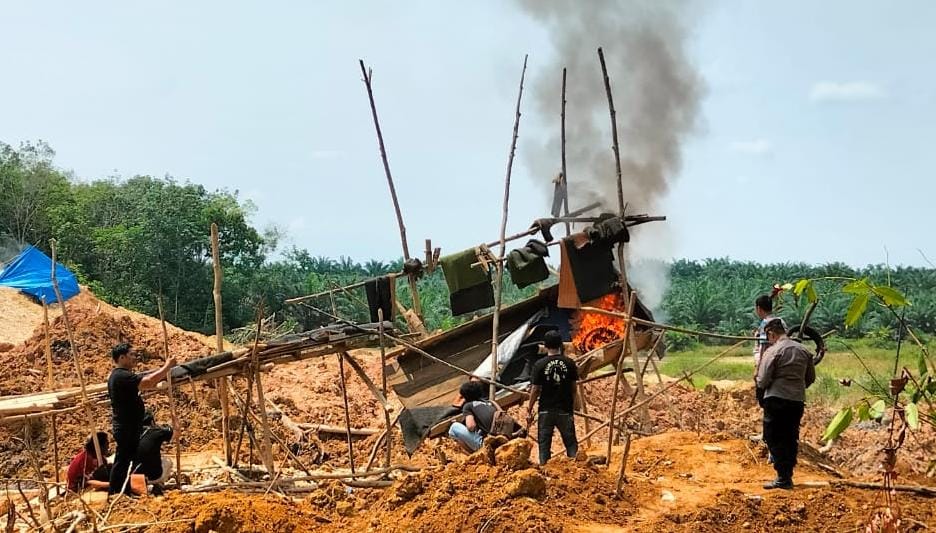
479, 417
123, 388
552, 383
152, 465
87, 469
785, 371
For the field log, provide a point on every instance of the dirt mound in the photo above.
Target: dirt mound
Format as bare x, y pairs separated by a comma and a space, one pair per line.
837, 509
21, 315
470, 497
224, 512
97, 327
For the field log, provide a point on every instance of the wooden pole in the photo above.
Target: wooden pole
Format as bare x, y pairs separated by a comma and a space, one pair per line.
665, 388
383, 388
621, 476
347, 412
176, 427
565, 174
368, 77
499, 273
614, 134
266, 451
75, 356
584, 398
220, 384
632, 346
50, 384
617, 377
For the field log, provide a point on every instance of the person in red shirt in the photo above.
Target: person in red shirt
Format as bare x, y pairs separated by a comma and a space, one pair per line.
88, 470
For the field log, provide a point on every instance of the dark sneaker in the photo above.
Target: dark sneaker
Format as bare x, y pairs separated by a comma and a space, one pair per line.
778, 483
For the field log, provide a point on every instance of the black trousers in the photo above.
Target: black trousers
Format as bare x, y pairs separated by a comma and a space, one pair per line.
127, 442
548, 421
781, 433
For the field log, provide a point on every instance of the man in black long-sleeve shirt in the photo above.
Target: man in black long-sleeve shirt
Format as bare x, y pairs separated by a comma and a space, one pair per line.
784, 373
123, 388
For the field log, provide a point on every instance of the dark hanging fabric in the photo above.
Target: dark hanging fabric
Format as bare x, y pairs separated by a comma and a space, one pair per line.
416, 423
609, 230
526, 265
592, 268
472, 299
469, 287
380, 295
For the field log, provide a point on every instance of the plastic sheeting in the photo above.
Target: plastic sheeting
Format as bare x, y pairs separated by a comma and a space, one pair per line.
31, 272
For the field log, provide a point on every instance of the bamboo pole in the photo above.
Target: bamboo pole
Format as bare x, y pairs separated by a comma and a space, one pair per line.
75, 356
368, 77
565, 174
50, 384
667, 387
176, 427
266, 451
666, 327
383, 379
499, 273
621, 476
347, 412
220, 384
614, 133
617, 378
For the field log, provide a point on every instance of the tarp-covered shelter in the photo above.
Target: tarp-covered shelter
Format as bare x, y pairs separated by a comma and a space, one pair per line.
31, 272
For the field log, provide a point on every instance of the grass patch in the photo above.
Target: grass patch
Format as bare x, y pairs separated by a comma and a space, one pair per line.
839, 363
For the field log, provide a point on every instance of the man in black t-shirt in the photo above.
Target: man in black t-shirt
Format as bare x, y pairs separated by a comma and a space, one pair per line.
123, 388
479, 417
553, 384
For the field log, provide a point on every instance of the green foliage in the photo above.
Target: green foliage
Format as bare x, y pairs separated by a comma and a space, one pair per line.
839, 423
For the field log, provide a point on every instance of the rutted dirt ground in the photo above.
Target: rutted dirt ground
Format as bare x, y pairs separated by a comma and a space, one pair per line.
697, 471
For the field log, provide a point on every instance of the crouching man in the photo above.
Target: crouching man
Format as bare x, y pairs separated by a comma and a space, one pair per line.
156, 468
785, 371
479, 417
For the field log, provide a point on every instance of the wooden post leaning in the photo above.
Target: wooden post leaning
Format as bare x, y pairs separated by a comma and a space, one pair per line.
499, 272
414, 290
75, 356
176, 427
50, 384
617, 377
220, 384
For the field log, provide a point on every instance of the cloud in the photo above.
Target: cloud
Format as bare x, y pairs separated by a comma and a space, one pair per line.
752, 147
848, 91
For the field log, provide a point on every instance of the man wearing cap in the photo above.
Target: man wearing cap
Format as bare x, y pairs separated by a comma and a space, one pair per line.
552, 383
785, 371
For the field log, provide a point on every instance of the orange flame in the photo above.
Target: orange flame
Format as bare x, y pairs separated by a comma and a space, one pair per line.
596, 330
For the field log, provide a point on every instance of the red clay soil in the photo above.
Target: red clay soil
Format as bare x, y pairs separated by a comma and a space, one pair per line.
677, 481
97, 327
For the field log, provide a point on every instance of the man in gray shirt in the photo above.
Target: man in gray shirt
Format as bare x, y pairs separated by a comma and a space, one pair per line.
785, 371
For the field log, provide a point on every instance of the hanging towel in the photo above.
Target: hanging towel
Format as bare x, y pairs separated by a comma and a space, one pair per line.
591, 268
469, 288
380, 295
526, 265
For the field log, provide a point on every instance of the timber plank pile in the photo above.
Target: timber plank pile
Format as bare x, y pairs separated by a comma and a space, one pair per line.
315, 343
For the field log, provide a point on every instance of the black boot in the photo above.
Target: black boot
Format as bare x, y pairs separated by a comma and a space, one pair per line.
780, 483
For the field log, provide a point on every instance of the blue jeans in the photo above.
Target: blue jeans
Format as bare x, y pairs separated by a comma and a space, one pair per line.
548, 421
461, 433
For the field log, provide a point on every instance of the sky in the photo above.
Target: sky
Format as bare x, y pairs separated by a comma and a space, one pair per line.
813, 144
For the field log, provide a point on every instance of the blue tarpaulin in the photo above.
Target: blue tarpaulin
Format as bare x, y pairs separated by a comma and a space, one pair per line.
31, 273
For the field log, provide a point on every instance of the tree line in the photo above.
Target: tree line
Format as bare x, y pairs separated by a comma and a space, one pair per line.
132, 239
